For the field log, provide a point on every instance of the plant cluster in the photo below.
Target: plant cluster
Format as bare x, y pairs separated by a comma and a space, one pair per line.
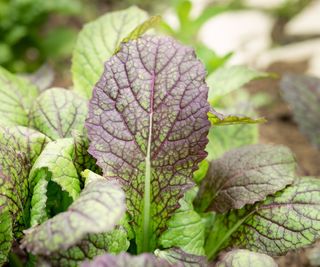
123, 171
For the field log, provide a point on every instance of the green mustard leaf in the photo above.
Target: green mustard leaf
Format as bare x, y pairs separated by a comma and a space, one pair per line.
125, 260
140, 30
26, 140
97, 42
186, 228
6, 231
98, 209
39, 199
181, 258
16, 97
289, 220
218, 119
245, 258
56, 112
227, 79
223, 139
56, 163
244, 176
303, 96
91, 246
82, 159
148, 128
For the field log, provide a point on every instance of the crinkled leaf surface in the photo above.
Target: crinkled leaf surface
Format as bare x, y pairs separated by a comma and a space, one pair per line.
97, 42
125, 260
303, 95
56, 112
56, 163
186, 228
181, 258
82, 159
23, 139
244, 176
148, 125
6, 235
245, 258
227, 79
16, 97
286, 221
98, 209
91, 246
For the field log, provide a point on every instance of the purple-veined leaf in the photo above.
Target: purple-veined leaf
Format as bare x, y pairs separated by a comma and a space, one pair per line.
98, 209
57, 112
183, 259
125, 260
244, 176
148, 128
303, 95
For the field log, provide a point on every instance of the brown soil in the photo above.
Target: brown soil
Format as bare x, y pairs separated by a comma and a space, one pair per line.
281, 128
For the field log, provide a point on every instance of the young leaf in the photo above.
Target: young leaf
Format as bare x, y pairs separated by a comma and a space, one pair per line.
244, 176
227, 79
125, 260
303, 95
247, 258
181, 258
26, 140
82, 159
139, 30
98, 209
218, 119
148, 125
56, 163
97, 42
56, 112
16, 97
186, 228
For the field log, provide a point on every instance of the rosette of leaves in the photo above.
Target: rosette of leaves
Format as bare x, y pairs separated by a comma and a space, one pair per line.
109, 181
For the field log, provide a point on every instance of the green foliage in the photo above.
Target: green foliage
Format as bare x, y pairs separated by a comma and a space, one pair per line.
147, 127
24, 42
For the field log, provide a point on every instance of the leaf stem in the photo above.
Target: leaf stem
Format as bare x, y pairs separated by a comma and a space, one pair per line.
213, 250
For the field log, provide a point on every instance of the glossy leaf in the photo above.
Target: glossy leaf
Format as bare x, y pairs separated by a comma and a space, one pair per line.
98, 209
125, 260
56, 112
56, 163
97, 42
16, 97
244, 176
227, 79
186, 228
303, 96
247, 258
148, 126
